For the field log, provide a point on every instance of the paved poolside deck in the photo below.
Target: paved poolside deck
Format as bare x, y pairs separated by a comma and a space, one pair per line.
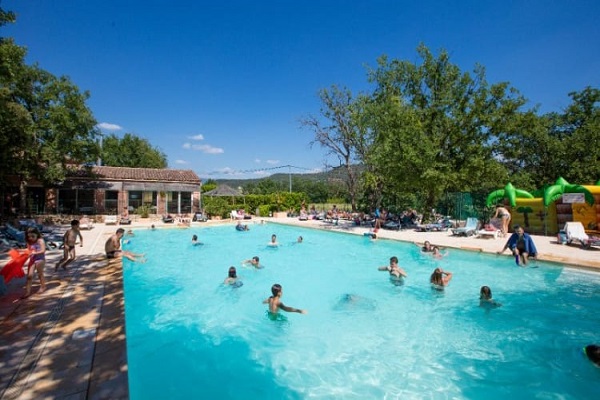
69, 342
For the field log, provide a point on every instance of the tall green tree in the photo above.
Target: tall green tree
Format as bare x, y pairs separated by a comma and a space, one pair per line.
131, 151
337, 132
435, 126
582, 136
45, 124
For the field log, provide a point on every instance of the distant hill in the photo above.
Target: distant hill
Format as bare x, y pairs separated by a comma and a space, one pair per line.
338, 173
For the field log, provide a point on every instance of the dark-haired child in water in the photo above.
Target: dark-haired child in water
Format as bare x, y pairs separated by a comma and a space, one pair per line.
436, 253
273, 242
232, 278
485, 298
195, 241
275, 303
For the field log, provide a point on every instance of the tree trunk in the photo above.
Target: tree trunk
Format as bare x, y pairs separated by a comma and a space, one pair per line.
23, 197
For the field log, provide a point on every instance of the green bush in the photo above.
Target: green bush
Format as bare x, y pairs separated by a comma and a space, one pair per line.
217, 206
265, 209
143, 211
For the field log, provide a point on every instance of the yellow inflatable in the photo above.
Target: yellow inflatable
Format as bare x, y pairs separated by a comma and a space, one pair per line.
534, 217
588, 215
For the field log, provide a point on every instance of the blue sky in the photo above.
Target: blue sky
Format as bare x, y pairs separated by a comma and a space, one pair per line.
220, 86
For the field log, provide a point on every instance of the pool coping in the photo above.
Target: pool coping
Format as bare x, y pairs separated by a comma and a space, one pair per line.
70, 342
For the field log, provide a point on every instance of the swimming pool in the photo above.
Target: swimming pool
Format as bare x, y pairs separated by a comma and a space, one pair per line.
189, 336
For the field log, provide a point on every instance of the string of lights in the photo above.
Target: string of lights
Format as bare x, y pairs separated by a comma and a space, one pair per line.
250, 171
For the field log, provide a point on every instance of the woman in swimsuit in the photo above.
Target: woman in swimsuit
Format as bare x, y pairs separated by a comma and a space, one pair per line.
504, 216
37, 260
440, 278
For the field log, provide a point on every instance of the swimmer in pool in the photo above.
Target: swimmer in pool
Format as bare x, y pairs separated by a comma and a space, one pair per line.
592, 351
394, 269
436, 253
275, 303
232, 277
240, 227
195, 241
440, 278
273, 241
300, 239
485, 298
427, 247
255, 262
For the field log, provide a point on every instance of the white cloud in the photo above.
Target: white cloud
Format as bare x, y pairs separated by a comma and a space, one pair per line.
261, 172
228, 171
272, 162
205, 148
196, 137
181, 162
257, 160
109, 127
208, 149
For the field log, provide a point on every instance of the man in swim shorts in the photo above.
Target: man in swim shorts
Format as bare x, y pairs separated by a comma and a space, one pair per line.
521, 245
112, 247
69, 241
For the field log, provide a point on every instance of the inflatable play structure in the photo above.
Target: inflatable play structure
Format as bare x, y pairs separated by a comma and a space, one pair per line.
546, 210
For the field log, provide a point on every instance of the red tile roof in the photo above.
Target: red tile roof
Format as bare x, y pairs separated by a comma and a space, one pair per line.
139, 174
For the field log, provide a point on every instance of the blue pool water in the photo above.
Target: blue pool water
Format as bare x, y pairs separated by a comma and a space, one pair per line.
188, 336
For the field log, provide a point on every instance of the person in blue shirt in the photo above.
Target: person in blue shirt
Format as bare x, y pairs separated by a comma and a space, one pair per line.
521, 245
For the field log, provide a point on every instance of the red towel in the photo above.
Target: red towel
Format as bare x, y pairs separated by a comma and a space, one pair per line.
14, 268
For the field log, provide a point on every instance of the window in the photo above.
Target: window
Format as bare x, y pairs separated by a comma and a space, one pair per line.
111, 201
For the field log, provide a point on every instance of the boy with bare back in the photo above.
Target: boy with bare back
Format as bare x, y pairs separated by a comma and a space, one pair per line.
69, 241
275, 302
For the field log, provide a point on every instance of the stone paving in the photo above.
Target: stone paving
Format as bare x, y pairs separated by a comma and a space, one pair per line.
69, 342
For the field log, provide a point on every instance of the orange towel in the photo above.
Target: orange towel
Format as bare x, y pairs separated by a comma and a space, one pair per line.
14, 268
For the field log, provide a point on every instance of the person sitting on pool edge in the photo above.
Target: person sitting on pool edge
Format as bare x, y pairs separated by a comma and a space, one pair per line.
275, 303
255, 262
521, 245
440, 278
112, 247
394, 269
485, 298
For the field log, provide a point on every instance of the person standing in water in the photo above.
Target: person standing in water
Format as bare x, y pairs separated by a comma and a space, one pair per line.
275, 303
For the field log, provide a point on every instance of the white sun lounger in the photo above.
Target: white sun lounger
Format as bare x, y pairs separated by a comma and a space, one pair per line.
576, 233
469, 229
110, 220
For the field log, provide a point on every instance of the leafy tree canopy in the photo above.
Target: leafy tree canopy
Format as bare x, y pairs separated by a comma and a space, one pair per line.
131, 151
